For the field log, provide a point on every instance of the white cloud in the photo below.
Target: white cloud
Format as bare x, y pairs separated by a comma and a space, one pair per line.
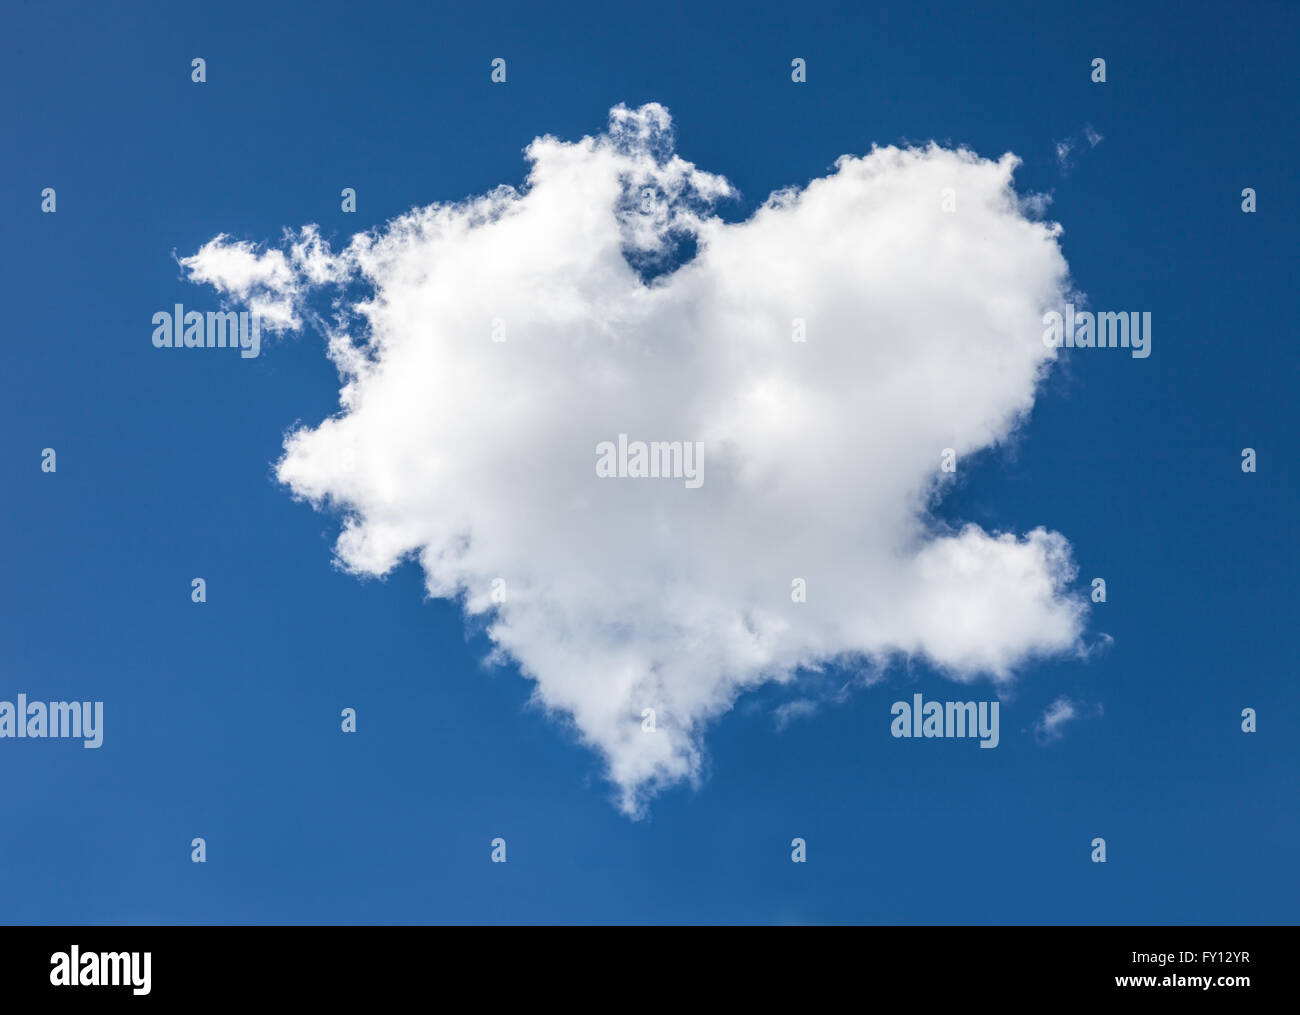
1066, 148
477, 457
800, 708
266, 281
1063, 150
1056, 715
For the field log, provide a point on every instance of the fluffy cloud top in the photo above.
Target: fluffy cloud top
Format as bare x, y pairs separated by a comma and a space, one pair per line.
477, 456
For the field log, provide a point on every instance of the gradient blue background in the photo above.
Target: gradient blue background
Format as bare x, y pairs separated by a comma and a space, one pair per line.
222, 720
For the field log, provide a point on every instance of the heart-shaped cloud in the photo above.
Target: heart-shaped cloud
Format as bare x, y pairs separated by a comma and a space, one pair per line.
821, 356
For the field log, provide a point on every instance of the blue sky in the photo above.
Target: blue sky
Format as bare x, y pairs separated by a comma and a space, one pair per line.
221, 719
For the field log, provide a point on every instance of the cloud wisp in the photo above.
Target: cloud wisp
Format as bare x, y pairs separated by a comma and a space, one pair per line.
1051, 725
